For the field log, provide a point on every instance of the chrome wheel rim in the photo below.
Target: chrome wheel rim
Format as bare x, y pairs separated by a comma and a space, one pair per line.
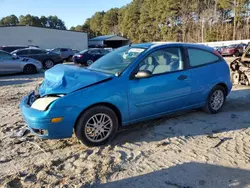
49, 64
98, 127
217, 100
89, 62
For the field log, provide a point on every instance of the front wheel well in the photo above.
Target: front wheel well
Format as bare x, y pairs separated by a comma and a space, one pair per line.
109, 105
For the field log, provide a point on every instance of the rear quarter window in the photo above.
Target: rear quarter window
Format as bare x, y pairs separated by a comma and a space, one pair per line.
199, 57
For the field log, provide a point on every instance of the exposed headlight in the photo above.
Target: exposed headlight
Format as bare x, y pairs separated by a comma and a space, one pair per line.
43, 103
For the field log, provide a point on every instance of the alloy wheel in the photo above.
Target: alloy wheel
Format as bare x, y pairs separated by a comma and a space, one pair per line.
98, 127
217, 99
49, 64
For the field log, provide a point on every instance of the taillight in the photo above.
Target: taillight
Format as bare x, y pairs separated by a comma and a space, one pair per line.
80, 56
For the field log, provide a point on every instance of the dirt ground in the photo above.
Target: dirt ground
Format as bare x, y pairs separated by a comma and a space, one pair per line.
187, 150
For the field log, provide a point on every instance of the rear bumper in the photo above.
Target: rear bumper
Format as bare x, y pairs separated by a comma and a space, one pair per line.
39, 122
227, 53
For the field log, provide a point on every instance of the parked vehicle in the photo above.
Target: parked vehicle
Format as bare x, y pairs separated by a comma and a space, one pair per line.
10, 64
87, 57
48, 59
233, 50
65, 53
218, 49
11, 48
131, 84
240, 69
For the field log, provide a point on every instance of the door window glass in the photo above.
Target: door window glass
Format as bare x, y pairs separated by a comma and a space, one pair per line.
103, 52
163, 61
94, 52
36, 52
200, 57
23, 52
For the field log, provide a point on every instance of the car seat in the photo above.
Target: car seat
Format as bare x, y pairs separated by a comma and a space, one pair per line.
149, 64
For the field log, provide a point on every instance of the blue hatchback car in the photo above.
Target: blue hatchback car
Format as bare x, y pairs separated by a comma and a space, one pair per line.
131, 84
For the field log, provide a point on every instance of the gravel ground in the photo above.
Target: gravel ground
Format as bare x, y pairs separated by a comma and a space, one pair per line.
187, 150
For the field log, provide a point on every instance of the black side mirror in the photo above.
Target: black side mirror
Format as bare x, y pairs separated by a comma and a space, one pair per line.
143, 74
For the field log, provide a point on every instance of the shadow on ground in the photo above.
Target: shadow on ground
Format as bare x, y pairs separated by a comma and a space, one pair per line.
187, 175
234, 116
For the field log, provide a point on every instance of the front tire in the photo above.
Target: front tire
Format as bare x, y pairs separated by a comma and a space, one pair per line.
29, 69
97, 126
215, 100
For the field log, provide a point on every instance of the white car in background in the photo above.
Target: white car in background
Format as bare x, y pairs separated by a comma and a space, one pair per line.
10, 64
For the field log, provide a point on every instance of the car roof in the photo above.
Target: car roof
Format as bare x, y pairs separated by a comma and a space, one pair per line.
29, 48
14, 46
169, 44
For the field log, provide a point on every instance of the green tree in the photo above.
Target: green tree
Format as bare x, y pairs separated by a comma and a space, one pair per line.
55, 23
110, 22
148, 25
9, 20
96, 22
130, 21
29, 20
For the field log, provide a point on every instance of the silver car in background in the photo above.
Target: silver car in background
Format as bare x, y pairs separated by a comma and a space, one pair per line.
10, 64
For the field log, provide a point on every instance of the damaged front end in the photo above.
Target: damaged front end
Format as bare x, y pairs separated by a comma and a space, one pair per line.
37, 102
240, 72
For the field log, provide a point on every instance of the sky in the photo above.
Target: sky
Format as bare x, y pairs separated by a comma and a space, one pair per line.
72, 12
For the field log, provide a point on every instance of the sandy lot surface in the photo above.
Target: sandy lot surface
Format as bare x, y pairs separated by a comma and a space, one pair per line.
187, 150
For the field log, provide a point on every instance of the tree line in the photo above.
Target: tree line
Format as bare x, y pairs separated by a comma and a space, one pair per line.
50, 21
160, 20
173, 20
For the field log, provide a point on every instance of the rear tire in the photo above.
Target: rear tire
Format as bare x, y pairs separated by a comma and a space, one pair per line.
29, 69
97, 126
49, 64
236, 54
215, 100
90, 62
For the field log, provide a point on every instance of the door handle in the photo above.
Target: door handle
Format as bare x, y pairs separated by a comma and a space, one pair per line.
182, 77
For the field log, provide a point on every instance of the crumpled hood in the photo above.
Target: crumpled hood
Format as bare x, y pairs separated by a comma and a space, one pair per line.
64, 79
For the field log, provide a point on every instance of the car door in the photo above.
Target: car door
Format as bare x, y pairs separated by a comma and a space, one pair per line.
8, 64
204, 71
166, 91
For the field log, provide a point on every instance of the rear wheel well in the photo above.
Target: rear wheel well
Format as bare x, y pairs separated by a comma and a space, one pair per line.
224, 86
109, 105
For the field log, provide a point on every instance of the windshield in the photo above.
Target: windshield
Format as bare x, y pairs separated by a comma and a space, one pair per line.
117, 61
